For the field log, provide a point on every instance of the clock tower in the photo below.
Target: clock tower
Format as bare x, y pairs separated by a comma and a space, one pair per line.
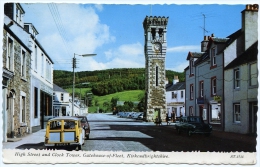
155, 46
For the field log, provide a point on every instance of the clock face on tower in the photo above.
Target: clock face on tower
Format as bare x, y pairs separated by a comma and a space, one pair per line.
157, 47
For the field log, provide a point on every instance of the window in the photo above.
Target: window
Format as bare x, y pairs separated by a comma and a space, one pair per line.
174, 95
156, 79
23, 110
61, 97
253, 74
191, 111
236, 113
182, 94
48, 70
17, 15
213, 86
213, 57
35, 102
23, 65
9, 59
201, 88
191, 91
191, 67
236, 78
42, 62
35, 57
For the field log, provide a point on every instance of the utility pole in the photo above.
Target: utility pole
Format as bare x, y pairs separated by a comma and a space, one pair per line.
74, 66
73, 85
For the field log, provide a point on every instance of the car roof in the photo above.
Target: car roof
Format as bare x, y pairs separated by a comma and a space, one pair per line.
64, 118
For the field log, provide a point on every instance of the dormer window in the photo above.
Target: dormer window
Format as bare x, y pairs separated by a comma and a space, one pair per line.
18, 14
191, 67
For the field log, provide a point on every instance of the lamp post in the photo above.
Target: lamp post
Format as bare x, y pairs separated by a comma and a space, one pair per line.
74, 66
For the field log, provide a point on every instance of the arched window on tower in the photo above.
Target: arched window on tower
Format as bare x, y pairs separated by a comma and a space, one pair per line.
156, 73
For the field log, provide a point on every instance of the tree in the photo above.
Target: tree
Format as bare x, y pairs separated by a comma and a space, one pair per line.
114, 103
106, 105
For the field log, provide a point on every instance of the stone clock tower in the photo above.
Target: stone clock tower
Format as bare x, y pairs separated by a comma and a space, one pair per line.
155, 29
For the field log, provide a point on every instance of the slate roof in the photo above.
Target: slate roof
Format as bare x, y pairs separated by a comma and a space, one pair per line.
56, 88
249, 55
177, 86
232, 38
194, 54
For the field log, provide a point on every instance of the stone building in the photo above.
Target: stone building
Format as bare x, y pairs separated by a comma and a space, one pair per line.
155, 52
16, 67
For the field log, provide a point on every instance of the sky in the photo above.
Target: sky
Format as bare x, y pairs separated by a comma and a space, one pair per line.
114, 32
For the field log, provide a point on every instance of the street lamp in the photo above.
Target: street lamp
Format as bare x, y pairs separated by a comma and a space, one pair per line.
74, 66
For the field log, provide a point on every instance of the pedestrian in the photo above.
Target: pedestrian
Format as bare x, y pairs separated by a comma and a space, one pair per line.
167, 119
173, 116
156, 121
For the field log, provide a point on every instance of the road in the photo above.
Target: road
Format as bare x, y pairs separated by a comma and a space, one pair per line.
110, 133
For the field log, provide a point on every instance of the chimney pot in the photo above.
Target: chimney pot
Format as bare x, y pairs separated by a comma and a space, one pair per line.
247, 7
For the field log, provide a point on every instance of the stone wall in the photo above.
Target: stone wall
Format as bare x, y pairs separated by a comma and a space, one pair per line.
20, 87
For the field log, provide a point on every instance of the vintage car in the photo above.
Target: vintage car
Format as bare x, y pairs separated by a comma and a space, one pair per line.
193, 124
85, 125
64, 131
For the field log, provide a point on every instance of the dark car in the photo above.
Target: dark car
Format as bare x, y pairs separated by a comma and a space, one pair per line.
193, 124
85, 125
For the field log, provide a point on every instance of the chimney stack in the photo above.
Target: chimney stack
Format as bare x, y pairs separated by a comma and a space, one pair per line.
250, 25
204, 44
175, 80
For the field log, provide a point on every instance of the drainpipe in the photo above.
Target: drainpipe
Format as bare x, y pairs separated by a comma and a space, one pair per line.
223, 95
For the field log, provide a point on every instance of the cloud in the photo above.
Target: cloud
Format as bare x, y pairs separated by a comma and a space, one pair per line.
75, 29
99, 7
127, 55
179, 67
187, 48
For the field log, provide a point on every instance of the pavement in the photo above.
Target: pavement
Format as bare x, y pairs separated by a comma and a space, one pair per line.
34, 138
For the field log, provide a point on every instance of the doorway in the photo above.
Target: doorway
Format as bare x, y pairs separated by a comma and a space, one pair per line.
253, 117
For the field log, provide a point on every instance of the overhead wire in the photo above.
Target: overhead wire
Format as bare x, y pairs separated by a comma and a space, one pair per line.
60, 27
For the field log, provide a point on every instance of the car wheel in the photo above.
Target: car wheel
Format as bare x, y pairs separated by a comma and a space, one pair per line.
86, 137
78, 147
189, 133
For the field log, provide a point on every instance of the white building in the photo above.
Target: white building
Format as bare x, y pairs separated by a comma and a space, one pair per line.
61, 102
175, 97
240, 77
41, 79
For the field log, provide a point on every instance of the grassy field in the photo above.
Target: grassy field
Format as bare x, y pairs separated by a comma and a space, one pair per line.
131, 95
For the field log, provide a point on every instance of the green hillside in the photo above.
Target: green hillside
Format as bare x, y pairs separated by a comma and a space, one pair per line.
97, 88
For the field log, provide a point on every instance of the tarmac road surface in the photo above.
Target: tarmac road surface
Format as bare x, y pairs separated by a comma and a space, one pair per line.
110, 133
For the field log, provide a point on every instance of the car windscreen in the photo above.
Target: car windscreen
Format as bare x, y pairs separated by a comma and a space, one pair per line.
195, 119
83, 120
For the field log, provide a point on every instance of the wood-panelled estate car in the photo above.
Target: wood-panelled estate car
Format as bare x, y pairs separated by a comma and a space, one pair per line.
64, 131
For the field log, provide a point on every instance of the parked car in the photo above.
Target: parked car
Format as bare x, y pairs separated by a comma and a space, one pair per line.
85, 125
193, 124
140, 117
136, 115
64, 131
47, 118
